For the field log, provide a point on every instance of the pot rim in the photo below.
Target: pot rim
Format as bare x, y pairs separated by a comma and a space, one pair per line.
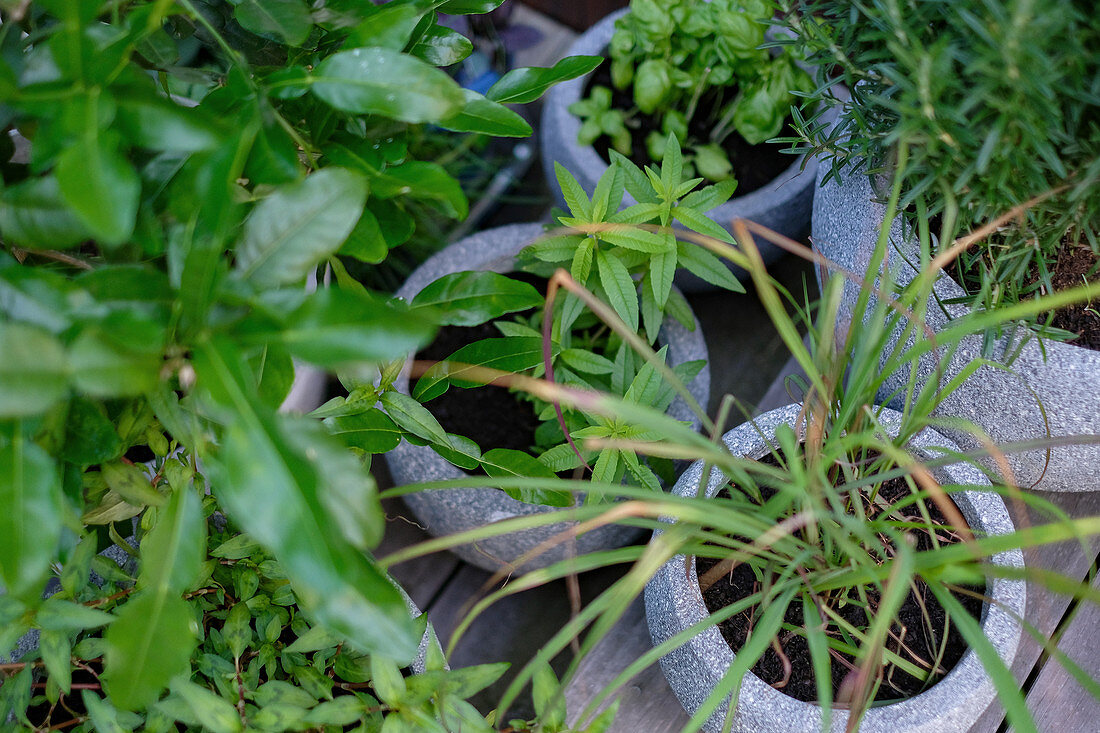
964, 693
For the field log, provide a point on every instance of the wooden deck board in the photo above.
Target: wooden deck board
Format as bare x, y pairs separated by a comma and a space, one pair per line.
1057, 700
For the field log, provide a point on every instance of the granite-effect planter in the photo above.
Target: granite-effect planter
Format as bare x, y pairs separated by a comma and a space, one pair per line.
1053, 385
674, 603
445, 512
782, 205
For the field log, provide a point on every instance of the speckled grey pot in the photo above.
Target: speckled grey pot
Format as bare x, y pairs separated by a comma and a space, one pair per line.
782, 205
455, 510
674, 603
1006, 404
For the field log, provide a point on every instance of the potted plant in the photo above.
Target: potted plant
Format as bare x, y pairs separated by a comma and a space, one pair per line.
694, 69
245, 654
1014, 201
675, 601
629, 268
186, 167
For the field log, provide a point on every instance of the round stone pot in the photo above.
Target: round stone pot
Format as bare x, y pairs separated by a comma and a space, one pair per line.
448, 511
1049, 389
782, 205
674, 603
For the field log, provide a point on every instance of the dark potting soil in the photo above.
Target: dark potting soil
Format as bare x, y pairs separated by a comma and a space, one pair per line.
1075, 265
754, 166
921, 620
490, 416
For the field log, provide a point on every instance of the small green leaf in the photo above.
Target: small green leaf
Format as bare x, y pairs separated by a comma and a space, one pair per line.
710, 197
56, 654
57, 614
386, 679
575, 197
581, 266
281, 20
697, 222
506, 463
472, 298
213, 712
367, 242
634, 238
460, 450
236, 548
652, 84
662, 268
388, 83
620, 288
528, 84
701, 263
298, 226
103, 367
487, 117
237, 629
548, 697
389, 26
173, 552
587, 362
103, 714
131, 483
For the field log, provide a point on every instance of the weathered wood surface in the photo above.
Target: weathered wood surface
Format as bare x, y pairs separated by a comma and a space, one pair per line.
1057, 700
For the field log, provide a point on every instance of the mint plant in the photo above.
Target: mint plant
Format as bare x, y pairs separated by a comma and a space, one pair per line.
691, 65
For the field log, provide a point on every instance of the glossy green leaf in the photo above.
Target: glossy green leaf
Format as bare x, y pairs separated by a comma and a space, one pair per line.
512, 355
101, 187
528, 84
270, 487
152, 640
389, 26
467, 7
487, 117
298, 226
620, 288
30, 525
371, 431
367, 242
388, 83
153, 122
426, 181
506, 463
285, 20
103, 367
33, 214
33, 370
475, 297
441, 46
336, 326
459, 450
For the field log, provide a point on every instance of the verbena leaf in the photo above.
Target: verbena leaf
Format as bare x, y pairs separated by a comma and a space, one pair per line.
30, 525
710, 197
587, 362
528, 84
703, 264
695, 221
33, 370
388, 83
662, 268
485, 116
620, 288
505, 463
575, 197
298, 226
472, 298
634, 238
